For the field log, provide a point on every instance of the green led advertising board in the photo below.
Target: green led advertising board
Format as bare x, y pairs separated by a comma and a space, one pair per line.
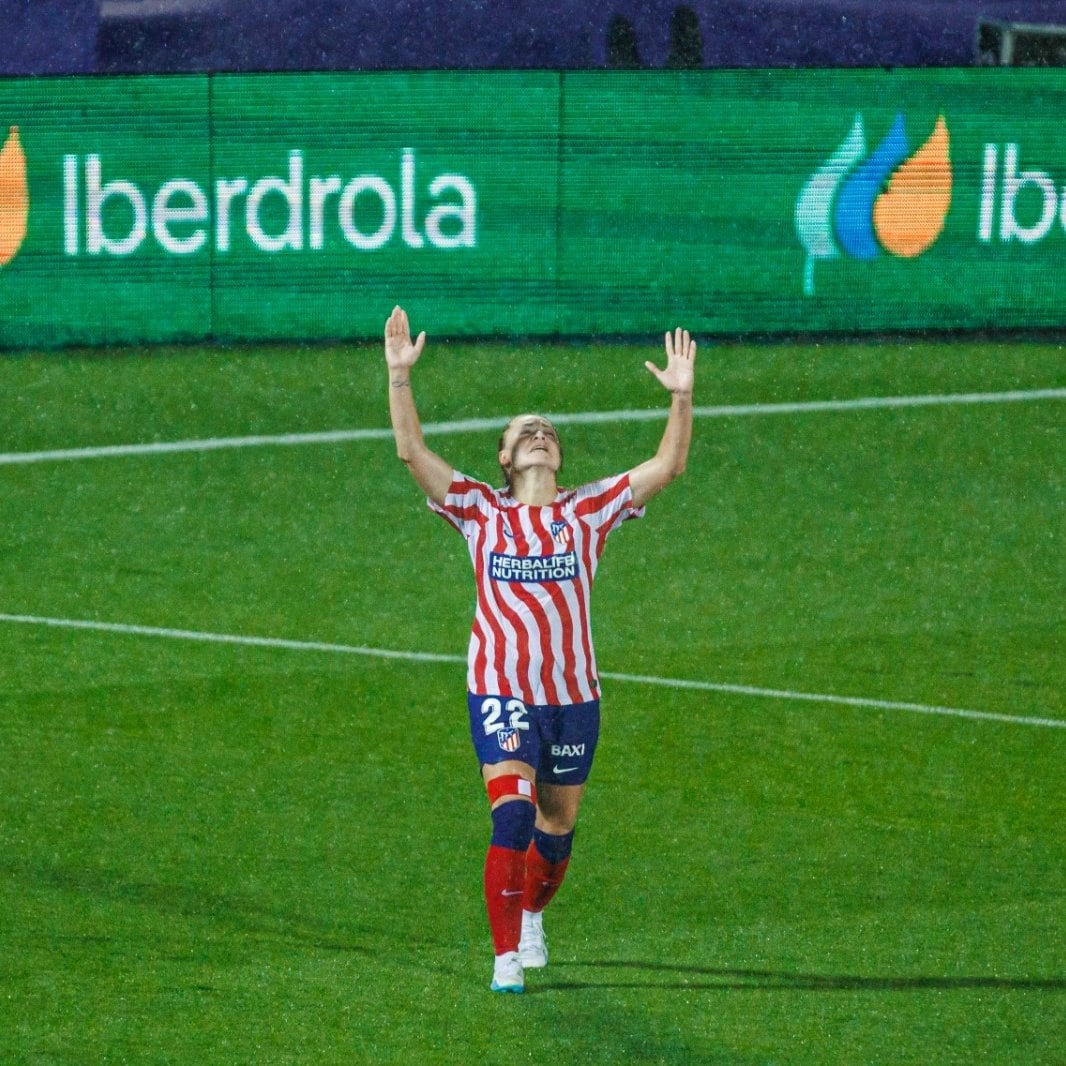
144, 209
815, 200
437, 190
91, 151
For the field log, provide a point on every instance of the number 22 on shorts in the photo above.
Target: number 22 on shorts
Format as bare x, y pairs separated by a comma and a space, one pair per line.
493, 709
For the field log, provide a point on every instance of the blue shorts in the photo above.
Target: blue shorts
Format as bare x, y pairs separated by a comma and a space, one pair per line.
558, 742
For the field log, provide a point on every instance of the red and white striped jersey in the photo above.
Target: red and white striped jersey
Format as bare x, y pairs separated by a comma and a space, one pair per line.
532, 634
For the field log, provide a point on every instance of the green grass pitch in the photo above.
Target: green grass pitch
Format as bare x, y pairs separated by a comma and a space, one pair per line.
226, 854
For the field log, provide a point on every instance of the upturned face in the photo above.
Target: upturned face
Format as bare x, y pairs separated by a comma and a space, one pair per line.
530, 441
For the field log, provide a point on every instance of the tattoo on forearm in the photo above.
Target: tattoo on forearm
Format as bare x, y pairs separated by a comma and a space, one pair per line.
400, 384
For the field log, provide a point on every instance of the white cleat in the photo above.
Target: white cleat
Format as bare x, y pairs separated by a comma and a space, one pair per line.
507, 975
532, 949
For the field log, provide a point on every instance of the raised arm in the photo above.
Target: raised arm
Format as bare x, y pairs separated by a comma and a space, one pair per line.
657, 472
433, 474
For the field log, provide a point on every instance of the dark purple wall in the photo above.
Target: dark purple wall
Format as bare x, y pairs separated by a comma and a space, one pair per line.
826, 33
66, 36
48, 36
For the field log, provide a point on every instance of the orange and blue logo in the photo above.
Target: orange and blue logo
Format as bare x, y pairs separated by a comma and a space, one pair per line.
860, 203
14, 197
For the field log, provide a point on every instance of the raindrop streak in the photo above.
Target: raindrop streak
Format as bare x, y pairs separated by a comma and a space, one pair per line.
14, 197
910, 214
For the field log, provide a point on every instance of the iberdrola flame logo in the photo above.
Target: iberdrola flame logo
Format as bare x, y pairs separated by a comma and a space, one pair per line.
14, 197
889, 200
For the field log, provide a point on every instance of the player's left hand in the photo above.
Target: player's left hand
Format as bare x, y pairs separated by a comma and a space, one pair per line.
679, 374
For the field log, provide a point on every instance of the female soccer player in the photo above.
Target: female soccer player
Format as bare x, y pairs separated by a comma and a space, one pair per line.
533, 691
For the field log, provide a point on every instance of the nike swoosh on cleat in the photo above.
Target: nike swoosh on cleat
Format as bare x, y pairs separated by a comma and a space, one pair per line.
564, 770
510, 892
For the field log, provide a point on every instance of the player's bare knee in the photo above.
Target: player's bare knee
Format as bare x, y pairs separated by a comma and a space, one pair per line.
557, 807
555, 826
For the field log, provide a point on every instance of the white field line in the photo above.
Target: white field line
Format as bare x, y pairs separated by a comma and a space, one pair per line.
431, 657
481, 425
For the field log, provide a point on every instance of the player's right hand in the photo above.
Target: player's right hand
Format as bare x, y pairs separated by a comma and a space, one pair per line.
400, 352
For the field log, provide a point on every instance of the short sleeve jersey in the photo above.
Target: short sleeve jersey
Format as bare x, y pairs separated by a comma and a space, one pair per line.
534, 566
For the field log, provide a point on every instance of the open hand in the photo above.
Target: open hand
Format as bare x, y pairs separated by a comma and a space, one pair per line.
400, 352
680, 363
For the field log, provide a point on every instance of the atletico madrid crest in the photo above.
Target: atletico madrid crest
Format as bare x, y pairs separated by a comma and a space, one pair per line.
561, 534
509, 739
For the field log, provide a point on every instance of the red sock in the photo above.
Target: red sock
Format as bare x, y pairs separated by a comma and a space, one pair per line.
543, 879
505, 875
